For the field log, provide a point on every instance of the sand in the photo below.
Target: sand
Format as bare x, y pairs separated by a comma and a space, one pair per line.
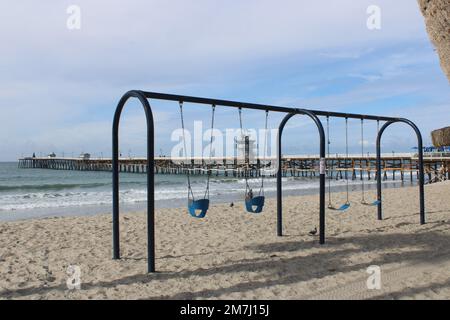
236, 255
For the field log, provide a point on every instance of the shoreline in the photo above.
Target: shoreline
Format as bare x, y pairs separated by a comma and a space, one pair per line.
89, 210
232, 254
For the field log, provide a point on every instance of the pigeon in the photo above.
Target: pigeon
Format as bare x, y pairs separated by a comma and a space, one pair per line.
313, 232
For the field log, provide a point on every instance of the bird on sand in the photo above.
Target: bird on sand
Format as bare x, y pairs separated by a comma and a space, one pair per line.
313, 232
231, 205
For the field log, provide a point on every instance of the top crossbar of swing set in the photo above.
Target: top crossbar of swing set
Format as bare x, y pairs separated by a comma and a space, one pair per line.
255, 106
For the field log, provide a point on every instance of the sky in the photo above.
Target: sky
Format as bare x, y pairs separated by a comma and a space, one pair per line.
59, 86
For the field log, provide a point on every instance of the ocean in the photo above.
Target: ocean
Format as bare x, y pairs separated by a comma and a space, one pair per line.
36, 193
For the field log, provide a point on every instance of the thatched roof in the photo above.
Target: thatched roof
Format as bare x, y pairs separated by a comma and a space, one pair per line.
441, 137
437, 20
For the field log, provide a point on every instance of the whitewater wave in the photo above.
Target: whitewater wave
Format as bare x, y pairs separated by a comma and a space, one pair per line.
56, 186
77, 199
53, 196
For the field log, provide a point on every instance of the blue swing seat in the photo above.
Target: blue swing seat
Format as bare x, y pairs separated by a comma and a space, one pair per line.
201, 205
255, 204
344, 207
374, 203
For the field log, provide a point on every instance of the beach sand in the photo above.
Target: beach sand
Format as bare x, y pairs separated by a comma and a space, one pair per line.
236, 255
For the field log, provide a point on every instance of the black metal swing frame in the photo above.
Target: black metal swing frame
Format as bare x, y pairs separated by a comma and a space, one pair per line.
144, 96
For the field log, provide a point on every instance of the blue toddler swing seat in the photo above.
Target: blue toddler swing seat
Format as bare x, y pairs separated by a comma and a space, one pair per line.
197, 208
201, 205
254, 204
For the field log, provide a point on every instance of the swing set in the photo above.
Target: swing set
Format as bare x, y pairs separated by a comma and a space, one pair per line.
198, 207
347, 204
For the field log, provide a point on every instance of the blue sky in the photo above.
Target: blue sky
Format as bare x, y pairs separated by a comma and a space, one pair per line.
59, 87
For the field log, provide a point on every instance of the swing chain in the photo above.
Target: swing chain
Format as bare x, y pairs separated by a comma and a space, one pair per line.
190, 192
261, 189
247, 186
240, 120
210, 150
329, 171
347, 159
363, 200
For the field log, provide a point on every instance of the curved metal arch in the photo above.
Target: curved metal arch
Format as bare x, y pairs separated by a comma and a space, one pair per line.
322, 172
150, 177
420, 164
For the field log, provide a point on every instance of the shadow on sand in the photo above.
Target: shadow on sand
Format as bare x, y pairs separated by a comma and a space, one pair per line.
279, 270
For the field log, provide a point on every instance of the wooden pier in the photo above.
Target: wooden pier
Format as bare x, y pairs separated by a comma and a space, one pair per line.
403, 166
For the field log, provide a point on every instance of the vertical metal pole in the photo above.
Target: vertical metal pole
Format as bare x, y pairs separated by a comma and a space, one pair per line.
279, 180
150, 191
421, 184
115, 195
115, 177
322, 185
378, 165
421, 170
280, 176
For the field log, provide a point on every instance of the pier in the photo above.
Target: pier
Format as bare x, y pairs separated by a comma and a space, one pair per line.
394, 166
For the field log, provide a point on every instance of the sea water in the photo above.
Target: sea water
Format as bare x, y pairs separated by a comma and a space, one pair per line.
37, 193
